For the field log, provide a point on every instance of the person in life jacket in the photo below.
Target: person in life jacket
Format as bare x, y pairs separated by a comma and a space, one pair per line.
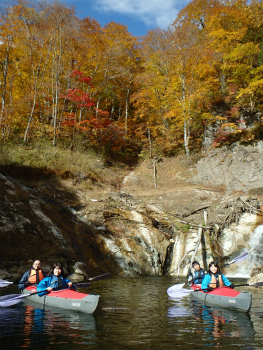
55, 281
33, 276
198, 275
214, 278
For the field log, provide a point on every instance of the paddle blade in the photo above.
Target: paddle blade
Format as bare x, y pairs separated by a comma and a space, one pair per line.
4, 283
176, 287
177, 291
238, 259
99, 277
82, 285
256, 284
179, 294
12, 299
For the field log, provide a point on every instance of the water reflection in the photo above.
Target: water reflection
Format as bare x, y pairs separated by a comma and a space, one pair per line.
32, 326
219, 320
133, 314
214, 323
178, 310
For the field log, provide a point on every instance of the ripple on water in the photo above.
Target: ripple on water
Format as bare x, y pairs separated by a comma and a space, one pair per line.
133, 313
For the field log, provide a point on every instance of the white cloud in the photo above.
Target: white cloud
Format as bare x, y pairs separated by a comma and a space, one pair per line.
159, 13
153, 13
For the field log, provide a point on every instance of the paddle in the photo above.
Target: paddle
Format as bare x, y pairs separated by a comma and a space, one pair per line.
95, 278
177, 291
4, 283
100, 277
255, 284
238, 259
12, 299
82, 285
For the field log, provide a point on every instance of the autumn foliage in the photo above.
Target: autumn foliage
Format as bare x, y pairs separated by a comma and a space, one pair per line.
69, 80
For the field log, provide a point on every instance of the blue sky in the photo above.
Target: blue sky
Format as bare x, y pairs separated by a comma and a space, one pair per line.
139, 15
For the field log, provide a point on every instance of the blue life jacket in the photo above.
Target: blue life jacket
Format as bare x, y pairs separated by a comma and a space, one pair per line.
199, 276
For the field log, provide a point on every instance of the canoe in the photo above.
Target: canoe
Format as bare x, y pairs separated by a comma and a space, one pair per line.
66, 299
224, 297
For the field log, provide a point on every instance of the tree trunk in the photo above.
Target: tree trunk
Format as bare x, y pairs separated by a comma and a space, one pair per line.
150, 141
186, 137
3, 94
126, 112
30, 119
199, 236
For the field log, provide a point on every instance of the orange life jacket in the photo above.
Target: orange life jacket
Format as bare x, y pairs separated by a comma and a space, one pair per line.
216, 281
35, 276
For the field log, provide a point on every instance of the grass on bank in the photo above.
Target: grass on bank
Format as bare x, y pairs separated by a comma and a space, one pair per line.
44, 155
43, 158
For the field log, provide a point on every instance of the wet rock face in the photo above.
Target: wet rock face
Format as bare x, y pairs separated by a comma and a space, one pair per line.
132, 237
239, 168
256, 252
237, 238
119, 239
25, 222
35, 226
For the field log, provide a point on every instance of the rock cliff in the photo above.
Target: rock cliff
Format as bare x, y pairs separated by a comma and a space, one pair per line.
135, 228
237, 169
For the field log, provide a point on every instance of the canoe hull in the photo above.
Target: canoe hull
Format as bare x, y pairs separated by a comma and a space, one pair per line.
225, 297
65, 299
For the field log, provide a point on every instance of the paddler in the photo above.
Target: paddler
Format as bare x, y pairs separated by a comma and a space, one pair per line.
199, 274
214, 278
33, 276
55, 281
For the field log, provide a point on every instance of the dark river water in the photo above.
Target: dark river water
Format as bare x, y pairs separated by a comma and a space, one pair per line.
133, 313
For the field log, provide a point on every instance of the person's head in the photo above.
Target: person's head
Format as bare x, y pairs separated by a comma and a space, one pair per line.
36, 265
213, 267
57, 270
196, 265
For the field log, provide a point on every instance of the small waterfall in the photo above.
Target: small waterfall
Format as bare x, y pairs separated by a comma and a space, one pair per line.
256, 252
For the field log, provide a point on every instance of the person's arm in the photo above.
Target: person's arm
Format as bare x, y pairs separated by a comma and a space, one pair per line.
190, 277
206, 281
69, 283
226, 281
195, 277
203, 275
43, 285
22, 282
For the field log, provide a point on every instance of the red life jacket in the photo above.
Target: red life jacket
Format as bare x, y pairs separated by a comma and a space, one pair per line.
35, 276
